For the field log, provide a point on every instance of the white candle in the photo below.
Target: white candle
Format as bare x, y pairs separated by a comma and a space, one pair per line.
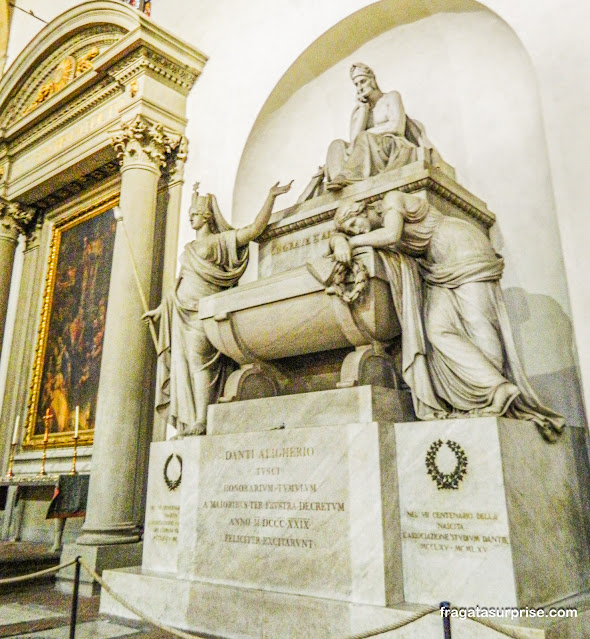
15, 433
77, 423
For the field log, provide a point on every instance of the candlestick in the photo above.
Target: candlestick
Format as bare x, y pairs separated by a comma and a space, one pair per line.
15, 432
77, 422
47, 419
75, 455
10, 474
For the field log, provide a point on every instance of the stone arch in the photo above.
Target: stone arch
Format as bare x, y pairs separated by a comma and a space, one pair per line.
41, 55
466, 75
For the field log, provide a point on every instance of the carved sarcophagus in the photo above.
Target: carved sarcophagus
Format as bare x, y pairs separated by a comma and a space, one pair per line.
288, 315
291, 314
291, 335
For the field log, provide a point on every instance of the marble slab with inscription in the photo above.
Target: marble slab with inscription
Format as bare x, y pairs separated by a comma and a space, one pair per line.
173, 469
477, 498
306, 511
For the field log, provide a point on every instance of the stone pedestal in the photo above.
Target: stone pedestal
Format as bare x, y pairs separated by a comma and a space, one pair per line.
320, 511
98, 558
240, 613
305, 511
299, 509
300, 233
513, 530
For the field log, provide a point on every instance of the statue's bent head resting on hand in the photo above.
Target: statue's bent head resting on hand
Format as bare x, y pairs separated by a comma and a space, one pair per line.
364, 80
351, 218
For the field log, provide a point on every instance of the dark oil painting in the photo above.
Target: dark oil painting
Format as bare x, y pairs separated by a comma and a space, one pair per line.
73, 350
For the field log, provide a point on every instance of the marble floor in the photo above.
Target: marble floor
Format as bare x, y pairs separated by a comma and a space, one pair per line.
36, 610
25, 618
89, 630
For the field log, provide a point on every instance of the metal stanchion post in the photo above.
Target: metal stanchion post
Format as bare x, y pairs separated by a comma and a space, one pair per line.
74, 613
445, 609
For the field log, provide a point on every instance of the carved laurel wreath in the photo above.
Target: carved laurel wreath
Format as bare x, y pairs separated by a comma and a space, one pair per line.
446, 481
340, 279
172, 484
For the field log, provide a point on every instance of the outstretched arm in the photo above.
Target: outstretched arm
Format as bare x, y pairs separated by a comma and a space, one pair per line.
252, 231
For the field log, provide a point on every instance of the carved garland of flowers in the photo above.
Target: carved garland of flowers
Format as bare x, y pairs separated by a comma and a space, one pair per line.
340, 280
446, 481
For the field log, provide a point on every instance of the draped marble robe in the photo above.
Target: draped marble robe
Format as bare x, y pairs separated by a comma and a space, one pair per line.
457, 344
183, 347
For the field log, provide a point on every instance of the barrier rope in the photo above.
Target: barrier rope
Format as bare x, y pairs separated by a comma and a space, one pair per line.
134, 610
513, 634
184, 635
35, 575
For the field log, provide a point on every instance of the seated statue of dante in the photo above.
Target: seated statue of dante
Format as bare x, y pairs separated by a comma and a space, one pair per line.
458, 353
191, 372
382, 137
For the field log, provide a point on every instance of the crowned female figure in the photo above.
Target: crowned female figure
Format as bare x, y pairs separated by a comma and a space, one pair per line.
191, 372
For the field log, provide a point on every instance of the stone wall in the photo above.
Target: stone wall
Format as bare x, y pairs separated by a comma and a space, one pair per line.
528, 66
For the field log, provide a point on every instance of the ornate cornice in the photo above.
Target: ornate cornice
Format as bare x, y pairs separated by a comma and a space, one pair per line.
142, 140
145, 58
74, 187
486, 218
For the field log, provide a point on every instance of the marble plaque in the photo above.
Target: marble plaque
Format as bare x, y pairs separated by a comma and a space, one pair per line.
173, 467
305, 511
295, 248
456, 542
491, 513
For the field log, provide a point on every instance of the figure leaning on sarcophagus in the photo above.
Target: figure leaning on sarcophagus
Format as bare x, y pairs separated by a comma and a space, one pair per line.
458, 353
191, 371
382, 138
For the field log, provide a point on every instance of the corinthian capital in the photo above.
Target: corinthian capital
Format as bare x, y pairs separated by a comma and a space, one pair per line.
141, 140
15, 218
176, 159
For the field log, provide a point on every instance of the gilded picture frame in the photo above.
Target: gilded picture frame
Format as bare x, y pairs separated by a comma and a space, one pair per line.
68, 353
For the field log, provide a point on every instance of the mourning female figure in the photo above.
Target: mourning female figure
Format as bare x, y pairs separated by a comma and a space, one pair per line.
458, 354
190, 370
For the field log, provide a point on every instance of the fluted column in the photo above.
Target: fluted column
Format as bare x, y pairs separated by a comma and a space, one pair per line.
174, 195
23, 333
169, 206
123, 414
14, 220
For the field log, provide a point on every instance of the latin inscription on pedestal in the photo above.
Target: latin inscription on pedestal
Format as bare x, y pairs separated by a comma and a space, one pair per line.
166, 475
454, 522
281, 510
